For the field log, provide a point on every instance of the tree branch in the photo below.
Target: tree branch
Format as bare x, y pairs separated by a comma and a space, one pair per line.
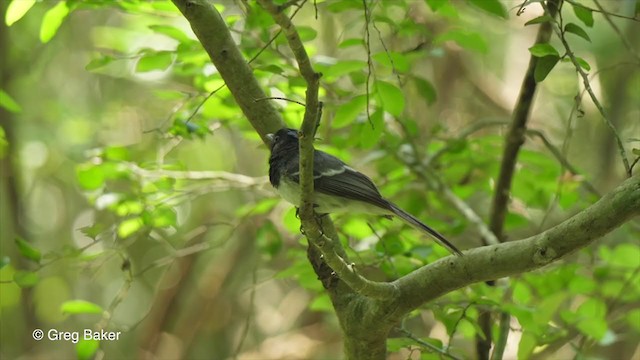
506, 259
513, 142
516, 134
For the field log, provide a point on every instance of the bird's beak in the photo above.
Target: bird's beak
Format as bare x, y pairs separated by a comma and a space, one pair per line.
270, 137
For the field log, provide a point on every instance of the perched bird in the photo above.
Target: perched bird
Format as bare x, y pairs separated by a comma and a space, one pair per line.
337, 187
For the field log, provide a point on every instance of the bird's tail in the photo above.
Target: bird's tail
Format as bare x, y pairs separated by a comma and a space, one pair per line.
411, 220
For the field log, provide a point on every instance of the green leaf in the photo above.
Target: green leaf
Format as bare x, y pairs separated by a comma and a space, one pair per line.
261, 207
585, 15
342, 68
98, 63
467, 39
4, 144
626, 255
90, 177
577, 30
369, 131
390, 245
25, 279
494, 7
528, 342
468, 329
154, 60
514, 221
52, 20
542, 50
93, 231
8, 103
4, 261
581, 285
547, 309
340, 6
539, 20
268, 239
351, 42
306, 33
392, 60
397, 344
27, 250
391, 97
426, 90
347, 112
544, 67
171, 31
274, 69
118, 153
163, 216
633, 319
80, 307
583, 63
129, 226
129, 207
357, 228
593, 327
86, 349
592, 307
321, 303
16, 10
436, 4
521, 293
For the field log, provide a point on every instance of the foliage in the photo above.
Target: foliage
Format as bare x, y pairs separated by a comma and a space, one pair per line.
153, 205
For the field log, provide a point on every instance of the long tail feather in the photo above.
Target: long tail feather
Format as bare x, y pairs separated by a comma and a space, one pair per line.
411, 220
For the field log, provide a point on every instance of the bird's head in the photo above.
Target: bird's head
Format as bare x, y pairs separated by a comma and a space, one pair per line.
283, 139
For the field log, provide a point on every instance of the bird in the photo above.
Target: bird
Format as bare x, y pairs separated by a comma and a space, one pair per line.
338, 188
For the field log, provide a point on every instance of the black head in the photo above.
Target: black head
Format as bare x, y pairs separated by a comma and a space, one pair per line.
284, 138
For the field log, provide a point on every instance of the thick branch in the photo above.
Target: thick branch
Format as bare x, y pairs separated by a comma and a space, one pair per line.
516, 133
506, 259
213, 34
513, 142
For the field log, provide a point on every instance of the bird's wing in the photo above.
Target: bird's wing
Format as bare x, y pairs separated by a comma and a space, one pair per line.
333, 177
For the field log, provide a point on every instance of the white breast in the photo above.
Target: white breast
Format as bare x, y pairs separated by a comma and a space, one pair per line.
326, 204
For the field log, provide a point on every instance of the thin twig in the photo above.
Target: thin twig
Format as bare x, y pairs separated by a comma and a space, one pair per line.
367, 45
600, 10
562, 160
280, 98
197, 175
463, 208
119, 298
625, 42
425, 344
247, 322
596, 102
388, 53
503, 336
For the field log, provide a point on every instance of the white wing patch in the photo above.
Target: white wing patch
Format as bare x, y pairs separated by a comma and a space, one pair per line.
330, 172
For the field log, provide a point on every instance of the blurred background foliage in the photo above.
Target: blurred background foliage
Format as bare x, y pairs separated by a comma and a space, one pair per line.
134, 195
